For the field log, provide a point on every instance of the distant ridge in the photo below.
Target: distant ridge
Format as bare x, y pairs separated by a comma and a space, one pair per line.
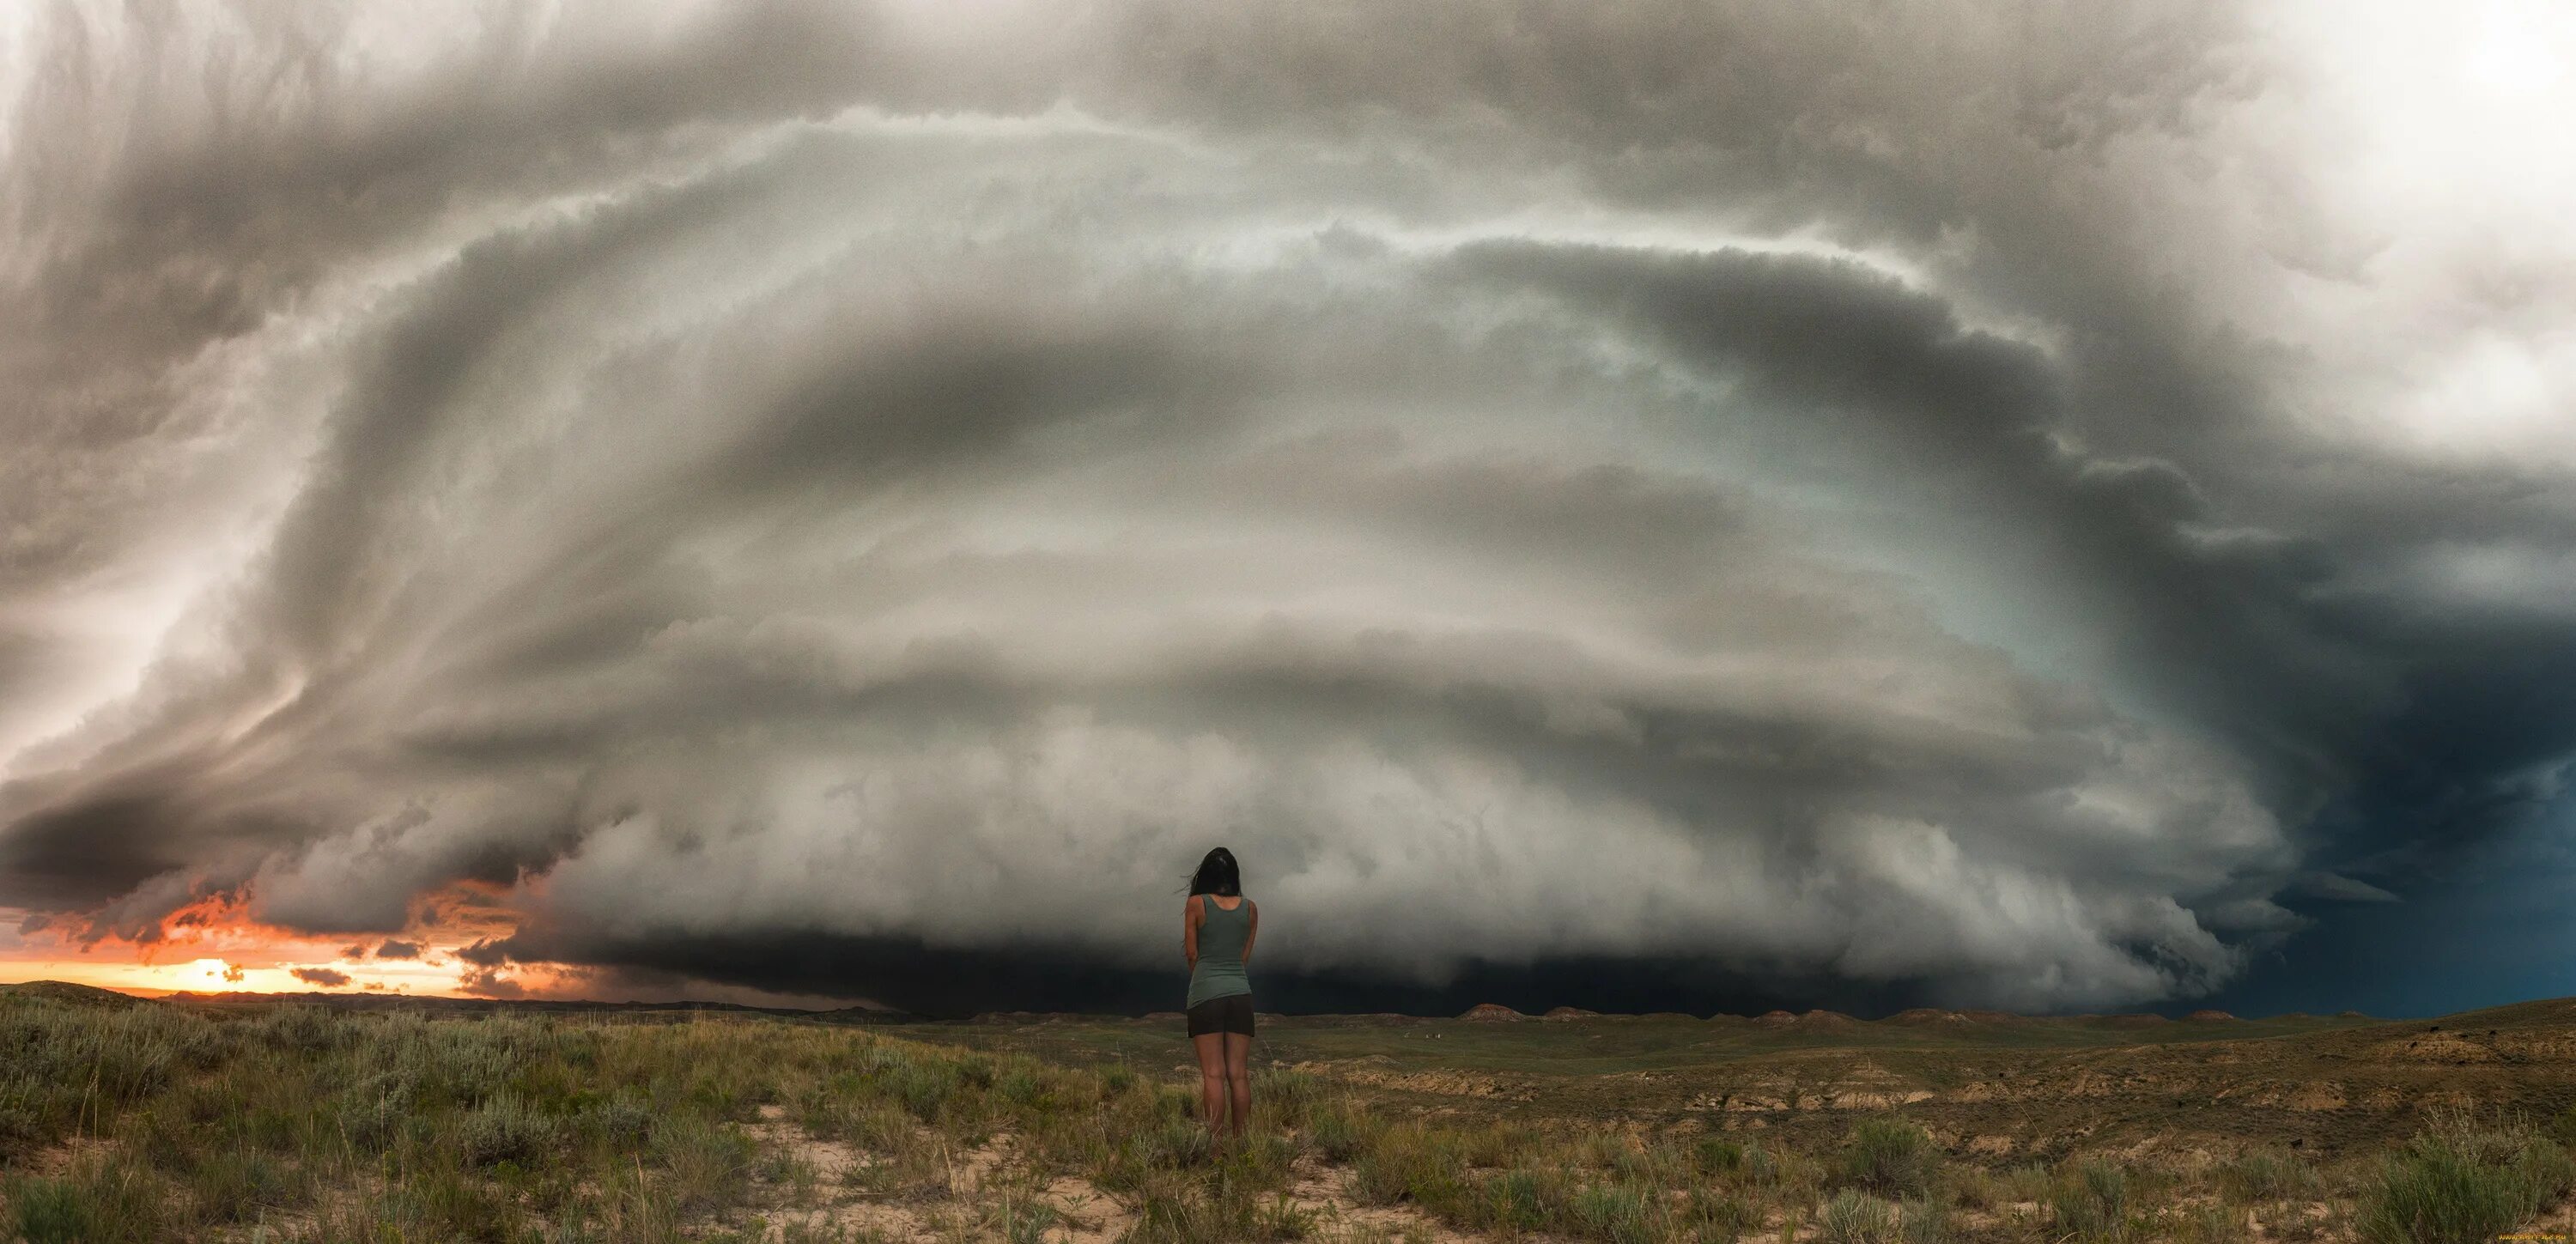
76, 995
1051, 1017
1813, 1021
354, 1001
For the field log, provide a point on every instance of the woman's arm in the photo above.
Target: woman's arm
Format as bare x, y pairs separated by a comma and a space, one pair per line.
1190, 932
1253, 932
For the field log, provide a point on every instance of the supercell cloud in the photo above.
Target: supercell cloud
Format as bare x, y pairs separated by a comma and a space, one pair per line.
2018, 509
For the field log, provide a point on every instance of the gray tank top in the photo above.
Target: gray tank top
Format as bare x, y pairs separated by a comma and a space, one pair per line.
1219, 972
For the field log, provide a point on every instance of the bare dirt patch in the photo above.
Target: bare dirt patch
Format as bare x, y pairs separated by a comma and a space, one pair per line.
1326, 1192
981, 1184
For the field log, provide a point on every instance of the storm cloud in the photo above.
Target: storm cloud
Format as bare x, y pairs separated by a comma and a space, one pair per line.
1865, 504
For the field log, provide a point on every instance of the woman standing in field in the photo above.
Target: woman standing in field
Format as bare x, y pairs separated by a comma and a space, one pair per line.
1217, 924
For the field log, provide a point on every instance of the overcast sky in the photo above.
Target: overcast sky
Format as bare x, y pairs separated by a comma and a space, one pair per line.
1644, 505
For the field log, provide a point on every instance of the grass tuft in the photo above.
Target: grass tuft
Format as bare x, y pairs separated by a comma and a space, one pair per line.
505, 1129
2461, 1181
2090, 1201
1893, 1158
98, 1199
2268, 1175
1621, 1213
1856, 1217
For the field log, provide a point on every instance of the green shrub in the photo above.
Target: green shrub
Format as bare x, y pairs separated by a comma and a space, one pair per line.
1717, 1155
1761, 1166
1856, 1217
89, 1057
33, 1111
1169, 1145
923, 1089
709, 1163
464, 1062
1281, 1218
1338, 1132
97, 1200
1524, 1200
1620, 1213
1657, 1163
2216, 1224
448, 1203
2269, 1175
1176, 1207
1175, 1210
2562, 1128
1712, 1217
1021, 1220
1496, 1147
505, 1129
1182, 1143
1891, 1157
2091, 1201
1019, 1087
1406, 1162
1600, 1150
2459, 1183
624, 1122
2029, 1181
2548, 1167
234, 1185
1287, 1097
1924, 1221
880, 1060
880, 1128
302, 1029
373, 1112
1262, 1158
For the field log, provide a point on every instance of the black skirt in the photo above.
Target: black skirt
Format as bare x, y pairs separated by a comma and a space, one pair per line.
1231, 1013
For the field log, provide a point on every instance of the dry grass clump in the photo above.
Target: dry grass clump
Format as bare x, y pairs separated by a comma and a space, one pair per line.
2270, 1175
2090, 1202
1893, 1158
2464, 1179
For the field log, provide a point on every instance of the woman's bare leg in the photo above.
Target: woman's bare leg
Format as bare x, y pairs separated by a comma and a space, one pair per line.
1212, 1095
1238, 1053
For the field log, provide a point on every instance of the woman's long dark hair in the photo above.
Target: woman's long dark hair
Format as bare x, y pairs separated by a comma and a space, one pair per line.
1217, 874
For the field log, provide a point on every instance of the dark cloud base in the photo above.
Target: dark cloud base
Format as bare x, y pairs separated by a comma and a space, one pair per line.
953, 984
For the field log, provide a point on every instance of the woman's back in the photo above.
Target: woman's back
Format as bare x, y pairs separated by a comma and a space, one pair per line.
1218, 937
1219, 972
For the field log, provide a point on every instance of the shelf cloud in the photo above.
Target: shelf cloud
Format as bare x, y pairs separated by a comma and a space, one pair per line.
2013, 508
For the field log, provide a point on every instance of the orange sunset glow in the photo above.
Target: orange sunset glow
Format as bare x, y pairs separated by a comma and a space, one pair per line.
215, 975
213, 945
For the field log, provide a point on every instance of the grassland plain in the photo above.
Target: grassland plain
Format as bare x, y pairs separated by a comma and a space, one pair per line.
126, 1120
